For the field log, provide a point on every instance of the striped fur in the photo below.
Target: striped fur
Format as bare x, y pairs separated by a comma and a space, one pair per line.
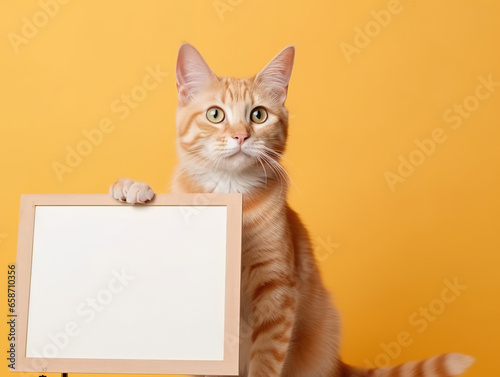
289, 327
447, 365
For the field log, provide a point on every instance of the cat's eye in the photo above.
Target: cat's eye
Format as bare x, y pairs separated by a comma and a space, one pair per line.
215, 115
259, 115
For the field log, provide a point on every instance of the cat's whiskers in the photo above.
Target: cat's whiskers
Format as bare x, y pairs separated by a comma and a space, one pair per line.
278, 155
218, 160
203, 162
262, 145
263, 168
278, 164
276, 171
209, 163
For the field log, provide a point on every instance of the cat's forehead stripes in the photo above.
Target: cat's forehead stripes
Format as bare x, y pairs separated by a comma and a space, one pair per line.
236, 90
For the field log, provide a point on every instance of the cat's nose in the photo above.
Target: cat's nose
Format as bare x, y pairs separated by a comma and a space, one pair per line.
240, 138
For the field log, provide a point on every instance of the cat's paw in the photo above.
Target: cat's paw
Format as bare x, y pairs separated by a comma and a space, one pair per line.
127, 190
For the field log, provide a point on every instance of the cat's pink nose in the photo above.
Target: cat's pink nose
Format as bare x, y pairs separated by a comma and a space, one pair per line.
240, 138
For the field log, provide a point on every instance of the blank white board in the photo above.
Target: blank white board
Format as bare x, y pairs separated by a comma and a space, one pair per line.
109, 287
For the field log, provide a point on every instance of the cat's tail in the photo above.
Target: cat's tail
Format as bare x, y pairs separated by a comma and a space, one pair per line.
447, 365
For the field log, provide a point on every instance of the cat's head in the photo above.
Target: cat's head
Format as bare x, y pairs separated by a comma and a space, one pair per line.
230, 124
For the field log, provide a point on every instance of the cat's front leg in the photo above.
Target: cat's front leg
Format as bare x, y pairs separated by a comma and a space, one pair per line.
273, 318
127, 190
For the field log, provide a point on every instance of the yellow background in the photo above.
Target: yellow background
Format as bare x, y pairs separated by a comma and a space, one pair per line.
389, 251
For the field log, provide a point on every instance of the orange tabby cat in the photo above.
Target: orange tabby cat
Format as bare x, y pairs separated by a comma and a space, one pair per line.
231, 135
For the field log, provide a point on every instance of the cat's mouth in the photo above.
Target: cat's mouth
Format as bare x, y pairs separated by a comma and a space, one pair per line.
233, 160
238, 152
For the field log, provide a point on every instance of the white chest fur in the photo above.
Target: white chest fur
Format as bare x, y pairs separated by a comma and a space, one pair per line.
228, 182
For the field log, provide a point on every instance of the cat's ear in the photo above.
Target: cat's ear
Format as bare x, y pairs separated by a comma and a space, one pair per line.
276, 75
192, 72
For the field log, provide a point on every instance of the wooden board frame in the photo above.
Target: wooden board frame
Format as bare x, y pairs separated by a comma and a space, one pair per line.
227, 366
